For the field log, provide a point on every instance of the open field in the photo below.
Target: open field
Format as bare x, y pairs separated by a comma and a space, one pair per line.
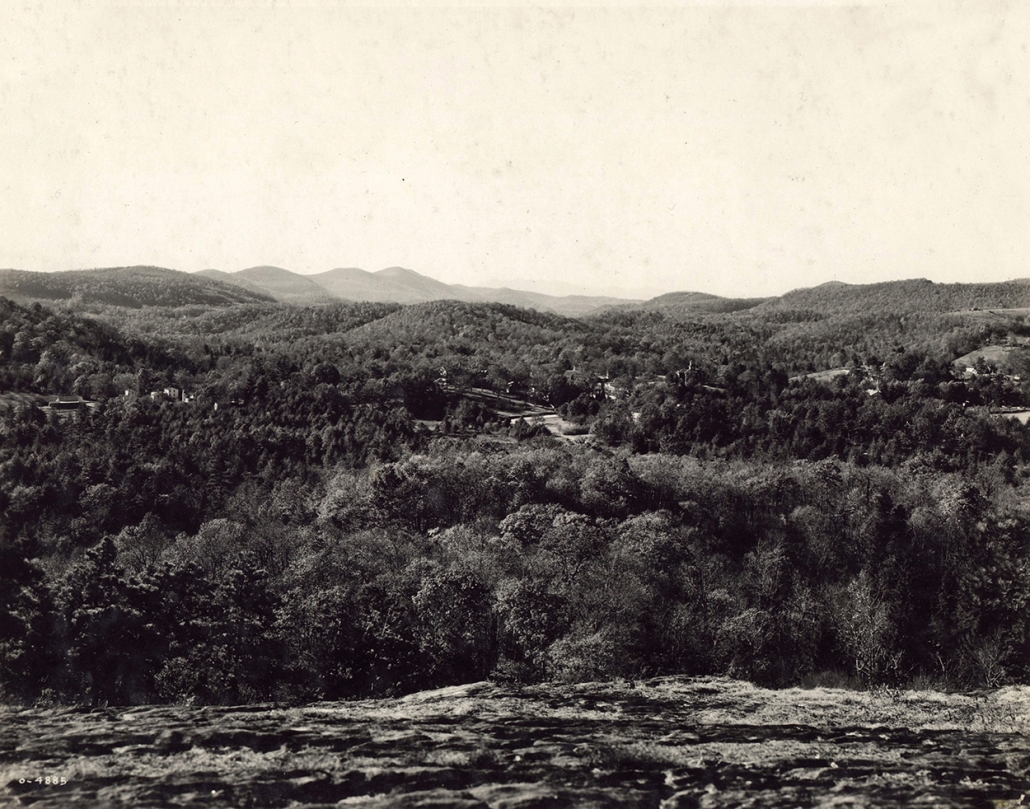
669, 742
998, 356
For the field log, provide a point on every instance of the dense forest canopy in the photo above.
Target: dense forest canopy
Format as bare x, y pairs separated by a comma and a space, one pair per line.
125, 286
256, 500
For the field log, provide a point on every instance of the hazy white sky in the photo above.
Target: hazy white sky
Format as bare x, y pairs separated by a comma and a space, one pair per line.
741, 150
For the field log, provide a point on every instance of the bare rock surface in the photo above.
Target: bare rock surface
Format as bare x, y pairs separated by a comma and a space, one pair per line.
670, 742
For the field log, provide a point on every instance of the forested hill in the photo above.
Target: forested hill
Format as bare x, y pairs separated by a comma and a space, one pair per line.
463, 328
36, 343
697, 302
901, 297
235, 280
136, 287
124, 286
281, 284
269, 501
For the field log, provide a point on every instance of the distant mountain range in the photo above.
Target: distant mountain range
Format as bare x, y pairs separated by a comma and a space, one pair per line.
283, 285
156, 286
399, 285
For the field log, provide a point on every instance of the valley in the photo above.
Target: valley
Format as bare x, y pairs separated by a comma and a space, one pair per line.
700, 551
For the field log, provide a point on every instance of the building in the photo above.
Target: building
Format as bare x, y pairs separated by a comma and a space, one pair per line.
66, 404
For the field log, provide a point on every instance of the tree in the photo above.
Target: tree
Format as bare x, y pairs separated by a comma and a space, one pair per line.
25, 623
236, 655
865, 631
610, 489
112, 648
454, 626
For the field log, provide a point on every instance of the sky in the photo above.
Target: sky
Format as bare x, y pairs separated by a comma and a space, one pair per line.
741, 150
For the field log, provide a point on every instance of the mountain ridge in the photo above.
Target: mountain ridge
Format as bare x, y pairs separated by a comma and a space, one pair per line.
911, 294
132, 287
405, 286
283, 285
143, 285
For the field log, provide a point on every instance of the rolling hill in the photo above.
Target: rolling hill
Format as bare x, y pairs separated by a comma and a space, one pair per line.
234, 280
901, 297
283, 285
132, 287
457, 325
141, 286
699, 302
353, 284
